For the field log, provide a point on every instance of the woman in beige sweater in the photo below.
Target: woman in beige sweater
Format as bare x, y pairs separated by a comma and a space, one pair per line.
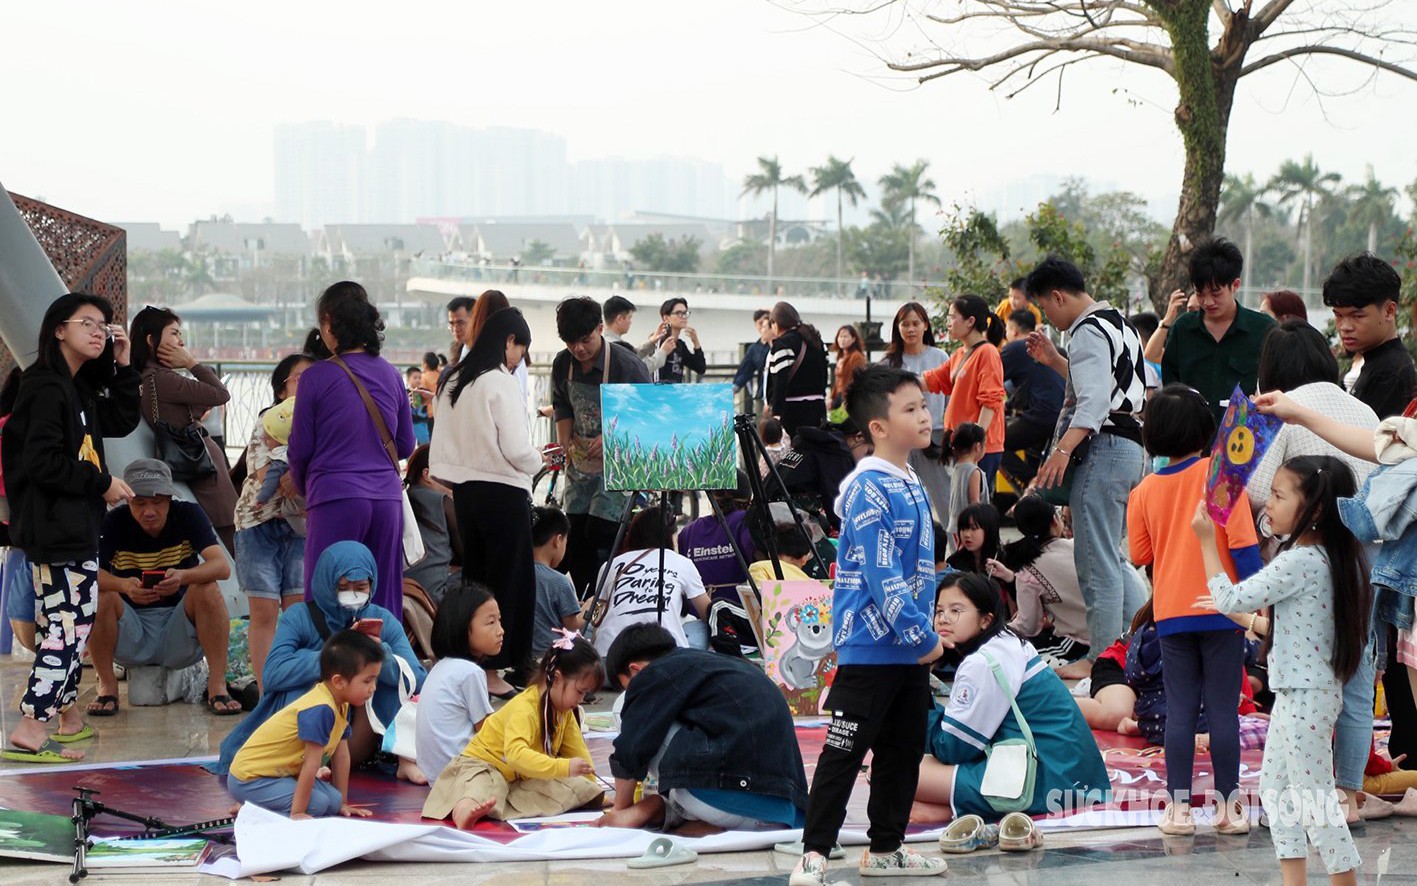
481, 447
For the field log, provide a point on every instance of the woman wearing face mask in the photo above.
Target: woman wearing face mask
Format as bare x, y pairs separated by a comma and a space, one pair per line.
341, 586
482, 448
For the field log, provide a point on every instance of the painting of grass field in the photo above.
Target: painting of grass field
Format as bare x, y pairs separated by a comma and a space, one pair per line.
669, 437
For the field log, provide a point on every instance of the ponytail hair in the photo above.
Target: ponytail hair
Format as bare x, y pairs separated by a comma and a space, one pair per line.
785, 316
1034, 518
972, 307
1323, 480
569, 657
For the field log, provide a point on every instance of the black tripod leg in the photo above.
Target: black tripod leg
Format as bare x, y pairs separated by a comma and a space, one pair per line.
619, 537
750, 441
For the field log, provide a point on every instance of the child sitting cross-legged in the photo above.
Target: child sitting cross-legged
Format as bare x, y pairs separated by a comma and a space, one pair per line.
278, 766
528, 759
710, 735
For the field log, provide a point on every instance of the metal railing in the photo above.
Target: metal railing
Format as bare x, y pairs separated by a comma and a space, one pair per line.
631, 280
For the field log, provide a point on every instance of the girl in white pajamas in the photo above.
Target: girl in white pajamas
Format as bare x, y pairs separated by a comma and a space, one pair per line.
1318, 586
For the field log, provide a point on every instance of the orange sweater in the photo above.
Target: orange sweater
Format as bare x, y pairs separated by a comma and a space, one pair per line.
1159, 533
846, 369
979, 386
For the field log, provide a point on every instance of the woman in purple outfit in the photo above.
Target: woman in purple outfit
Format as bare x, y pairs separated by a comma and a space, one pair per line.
337, 456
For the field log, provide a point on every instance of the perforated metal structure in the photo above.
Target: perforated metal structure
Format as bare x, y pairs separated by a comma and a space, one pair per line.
88, 255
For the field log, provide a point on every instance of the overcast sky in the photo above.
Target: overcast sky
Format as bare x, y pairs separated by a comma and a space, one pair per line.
163, 111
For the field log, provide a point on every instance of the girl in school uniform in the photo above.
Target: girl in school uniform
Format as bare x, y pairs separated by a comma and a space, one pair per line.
1318, 586
970, 618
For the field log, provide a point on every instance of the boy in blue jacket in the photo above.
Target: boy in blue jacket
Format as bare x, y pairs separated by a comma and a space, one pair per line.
881, 606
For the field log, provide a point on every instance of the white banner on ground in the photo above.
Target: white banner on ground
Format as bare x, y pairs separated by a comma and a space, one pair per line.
267, 842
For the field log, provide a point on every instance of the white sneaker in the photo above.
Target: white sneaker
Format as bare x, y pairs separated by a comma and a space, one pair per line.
811, 870
901, 863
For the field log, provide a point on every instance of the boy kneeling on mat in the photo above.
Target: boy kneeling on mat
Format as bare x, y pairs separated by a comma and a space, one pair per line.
279, 766
710, 735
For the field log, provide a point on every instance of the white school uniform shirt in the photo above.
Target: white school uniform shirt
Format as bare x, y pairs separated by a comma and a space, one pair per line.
635, 597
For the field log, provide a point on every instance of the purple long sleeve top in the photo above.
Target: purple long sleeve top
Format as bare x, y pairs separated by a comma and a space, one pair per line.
335, 450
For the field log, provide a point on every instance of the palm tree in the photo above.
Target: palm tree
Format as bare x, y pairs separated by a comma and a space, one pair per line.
837, 175
769, 177
907, 184
1301, 184
1371, 203
1242, 198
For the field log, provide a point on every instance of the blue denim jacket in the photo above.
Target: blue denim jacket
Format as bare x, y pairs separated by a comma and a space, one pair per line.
1385, 511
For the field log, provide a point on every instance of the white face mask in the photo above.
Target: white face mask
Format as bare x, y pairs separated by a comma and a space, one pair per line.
353, 599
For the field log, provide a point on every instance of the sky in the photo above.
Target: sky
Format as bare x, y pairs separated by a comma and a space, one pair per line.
153, 110
658, 415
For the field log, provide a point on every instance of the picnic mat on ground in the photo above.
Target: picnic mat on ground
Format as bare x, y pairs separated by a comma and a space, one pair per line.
182, 792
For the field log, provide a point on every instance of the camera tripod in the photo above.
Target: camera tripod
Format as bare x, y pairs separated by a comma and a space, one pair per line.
86, 808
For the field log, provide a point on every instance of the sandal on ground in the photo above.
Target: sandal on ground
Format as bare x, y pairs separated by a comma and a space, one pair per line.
103, 706
1176, 827
67, 737
1237, 821
50, 751
967, 834
1018, 833
221, 705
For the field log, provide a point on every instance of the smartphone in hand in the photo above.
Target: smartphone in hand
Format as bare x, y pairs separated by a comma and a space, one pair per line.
370, 627
152, 577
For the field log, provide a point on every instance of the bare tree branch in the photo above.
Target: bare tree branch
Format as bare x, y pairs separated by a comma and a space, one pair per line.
1351, 54
1266, 16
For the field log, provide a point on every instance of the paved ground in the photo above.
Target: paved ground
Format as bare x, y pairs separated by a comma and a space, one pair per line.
1134, 857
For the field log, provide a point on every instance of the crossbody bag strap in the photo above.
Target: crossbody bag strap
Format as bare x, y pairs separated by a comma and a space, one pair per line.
317, 617
1013, 702
374, 413
959, 370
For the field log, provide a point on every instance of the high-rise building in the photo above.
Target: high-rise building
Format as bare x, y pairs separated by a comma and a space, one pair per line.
326, 174
318, 167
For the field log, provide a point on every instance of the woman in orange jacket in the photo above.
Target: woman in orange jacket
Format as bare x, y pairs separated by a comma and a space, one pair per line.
974, 376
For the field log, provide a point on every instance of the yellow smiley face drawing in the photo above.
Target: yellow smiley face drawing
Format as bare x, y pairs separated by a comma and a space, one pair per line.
1240, 448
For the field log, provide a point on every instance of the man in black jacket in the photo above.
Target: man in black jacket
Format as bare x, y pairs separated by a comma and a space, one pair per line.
711, 733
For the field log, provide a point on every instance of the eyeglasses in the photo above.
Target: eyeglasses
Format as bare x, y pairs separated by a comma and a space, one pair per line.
91, 326
679, 313
951, 615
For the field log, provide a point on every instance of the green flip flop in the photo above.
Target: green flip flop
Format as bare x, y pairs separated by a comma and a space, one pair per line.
69, 737
49, 752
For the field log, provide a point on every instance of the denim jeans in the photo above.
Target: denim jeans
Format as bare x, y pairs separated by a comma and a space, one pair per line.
1353, 733
1110, 587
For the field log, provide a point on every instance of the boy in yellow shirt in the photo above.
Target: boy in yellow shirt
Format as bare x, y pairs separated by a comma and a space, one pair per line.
792, 551
278, 766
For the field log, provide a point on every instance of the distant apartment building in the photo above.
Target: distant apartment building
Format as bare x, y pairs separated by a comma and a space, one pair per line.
327, 173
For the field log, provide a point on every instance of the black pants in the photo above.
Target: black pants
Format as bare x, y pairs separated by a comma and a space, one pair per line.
587, 548
1398, 692
495, 521
1030, 436
801, 413
881, 709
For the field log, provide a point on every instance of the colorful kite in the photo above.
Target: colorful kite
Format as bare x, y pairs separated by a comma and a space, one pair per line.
1244, 437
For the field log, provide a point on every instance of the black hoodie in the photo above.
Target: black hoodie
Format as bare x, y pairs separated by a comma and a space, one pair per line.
56, 498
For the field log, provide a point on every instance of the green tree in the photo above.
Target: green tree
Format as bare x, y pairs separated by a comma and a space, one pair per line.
654, 253
1301, 185
1372, 205
981, 257
904, 185
538, 252
836, 175
1055, 234
1242, 200
1173, 37
769, 179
